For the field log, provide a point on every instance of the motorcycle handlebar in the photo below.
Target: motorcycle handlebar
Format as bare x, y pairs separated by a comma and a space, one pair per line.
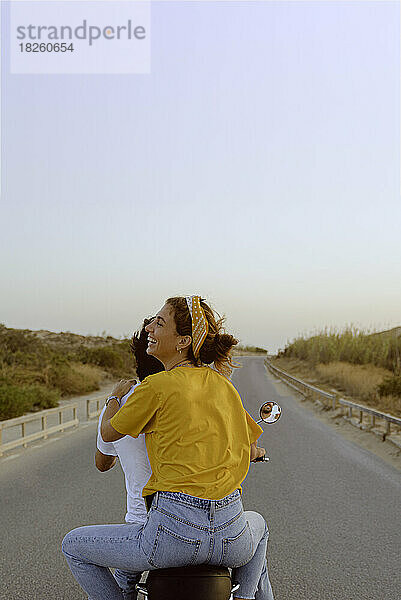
261, 459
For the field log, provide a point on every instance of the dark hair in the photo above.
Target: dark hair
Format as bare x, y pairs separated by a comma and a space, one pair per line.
145, 364
217, 346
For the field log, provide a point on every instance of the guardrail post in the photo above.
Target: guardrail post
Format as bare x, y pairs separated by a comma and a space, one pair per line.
373, 420
44, 426
88, 409
41, 430
360, 416
350, 412
387, 428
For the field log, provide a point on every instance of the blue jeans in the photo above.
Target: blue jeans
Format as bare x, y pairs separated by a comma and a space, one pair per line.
127, 582
180, 530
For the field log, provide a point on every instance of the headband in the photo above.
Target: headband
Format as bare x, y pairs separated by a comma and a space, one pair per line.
200, 326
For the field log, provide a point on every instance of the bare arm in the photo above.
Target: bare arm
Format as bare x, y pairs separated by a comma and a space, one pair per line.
109, 434
256, 452
104, 462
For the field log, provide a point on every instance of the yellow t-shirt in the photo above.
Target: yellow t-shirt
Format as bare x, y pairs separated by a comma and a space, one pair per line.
198, 434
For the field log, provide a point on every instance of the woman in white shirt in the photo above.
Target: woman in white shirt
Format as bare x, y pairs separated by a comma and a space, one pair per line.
131, 453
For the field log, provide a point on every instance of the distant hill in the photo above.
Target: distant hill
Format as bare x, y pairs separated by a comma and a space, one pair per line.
240, 349
73, 339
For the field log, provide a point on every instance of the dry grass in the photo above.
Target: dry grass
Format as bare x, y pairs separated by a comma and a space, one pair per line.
91, 373
358, 382
352, 345
68, 378
76, 378
388, 404
299, 368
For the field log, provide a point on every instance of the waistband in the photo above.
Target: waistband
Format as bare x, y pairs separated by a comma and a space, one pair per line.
199, 502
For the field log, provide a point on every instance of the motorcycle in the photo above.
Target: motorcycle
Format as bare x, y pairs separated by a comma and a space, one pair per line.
201, 582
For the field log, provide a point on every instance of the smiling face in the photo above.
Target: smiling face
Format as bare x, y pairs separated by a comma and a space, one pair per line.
163, 340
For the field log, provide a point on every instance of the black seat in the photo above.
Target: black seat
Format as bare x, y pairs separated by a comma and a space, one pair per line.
189, 583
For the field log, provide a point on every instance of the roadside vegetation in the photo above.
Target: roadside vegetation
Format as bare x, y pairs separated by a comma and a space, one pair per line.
241, 349
361, 365
37, 368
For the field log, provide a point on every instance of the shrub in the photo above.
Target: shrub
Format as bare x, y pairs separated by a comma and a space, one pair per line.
117, 358
74, 378
391, 386
17, 400
15, 340
13, 401
37, 367
42, 397
104, 357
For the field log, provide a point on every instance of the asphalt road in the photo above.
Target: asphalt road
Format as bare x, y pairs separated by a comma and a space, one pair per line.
333, 508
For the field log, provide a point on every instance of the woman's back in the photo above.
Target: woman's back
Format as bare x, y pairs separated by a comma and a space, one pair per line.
198, 434
198, 437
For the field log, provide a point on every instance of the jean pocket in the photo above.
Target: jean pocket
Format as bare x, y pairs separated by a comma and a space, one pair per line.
172, 550
237, 550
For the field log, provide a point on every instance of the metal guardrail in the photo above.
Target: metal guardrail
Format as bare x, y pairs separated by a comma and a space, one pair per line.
313, 392
45, 430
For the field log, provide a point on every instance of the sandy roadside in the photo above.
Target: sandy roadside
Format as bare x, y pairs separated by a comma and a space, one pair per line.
385, 450
100, 394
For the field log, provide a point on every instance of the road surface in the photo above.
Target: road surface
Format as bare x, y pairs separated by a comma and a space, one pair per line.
333, 508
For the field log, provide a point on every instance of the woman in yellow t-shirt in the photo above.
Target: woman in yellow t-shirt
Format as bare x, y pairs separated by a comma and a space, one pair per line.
200, 441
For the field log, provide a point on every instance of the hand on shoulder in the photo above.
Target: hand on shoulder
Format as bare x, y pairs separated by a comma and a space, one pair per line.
122, 387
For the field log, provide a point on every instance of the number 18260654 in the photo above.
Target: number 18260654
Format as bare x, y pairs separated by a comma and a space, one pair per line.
43, 47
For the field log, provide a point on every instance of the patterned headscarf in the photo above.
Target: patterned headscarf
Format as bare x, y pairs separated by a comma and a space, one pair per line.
200, 326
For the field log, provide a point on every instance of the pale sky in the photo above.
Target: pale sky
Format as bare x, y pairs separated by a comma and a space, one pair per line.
258, 164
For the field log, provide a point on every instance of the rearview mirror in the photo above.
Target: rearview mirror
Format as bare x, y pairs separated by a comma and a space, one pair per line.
270, 412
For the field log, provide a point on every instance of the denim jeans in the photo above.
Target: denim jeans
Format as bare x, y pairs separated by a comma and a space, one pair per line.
127, 582
180, 530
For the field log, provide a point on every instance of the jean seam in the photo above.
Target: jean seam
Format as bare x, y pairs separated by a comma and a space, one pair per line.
200, 527
211, 548
99, 539
188, 502
227, 541
67, 554
180, 520
161, 528
230, 522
